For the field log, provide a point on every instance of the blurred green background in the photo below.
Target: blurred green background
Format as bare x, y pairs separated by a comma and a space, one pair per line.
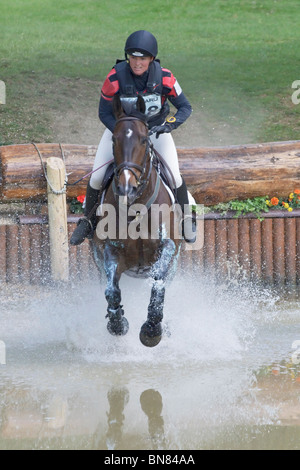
235, 60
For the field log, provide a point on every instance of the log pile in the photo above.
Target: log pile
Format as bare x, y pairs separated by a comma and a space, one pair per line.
212, 174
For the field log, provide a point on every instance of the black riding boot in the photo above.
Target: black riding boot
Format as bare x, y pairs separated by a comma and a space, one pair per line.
189, 217
86, 225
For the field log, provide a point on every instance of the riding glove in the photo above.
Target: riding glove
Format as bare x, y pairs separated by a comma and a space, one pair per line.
167, 127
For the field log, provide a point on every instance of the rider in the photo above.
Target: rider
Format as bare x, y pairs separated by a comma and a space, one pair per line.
141, 74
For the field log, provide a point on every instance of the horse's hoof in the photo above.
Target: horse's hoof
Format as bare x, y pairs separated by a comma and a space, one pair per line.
118, 327
150, 334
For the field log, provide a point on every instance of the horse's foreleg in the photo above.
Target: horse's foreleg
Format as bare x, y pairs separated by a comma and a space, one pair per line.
117, 323
151, 331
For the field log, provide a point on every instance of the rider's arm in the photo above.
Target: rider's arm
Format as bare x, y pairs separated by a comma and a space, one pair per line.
109, 89
106, 114
172, 90
184, 109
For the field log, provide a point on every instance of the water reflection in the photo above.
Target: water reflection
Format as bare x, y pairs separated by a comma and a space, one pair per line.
151, 403
117, 399
31, 418
98, 416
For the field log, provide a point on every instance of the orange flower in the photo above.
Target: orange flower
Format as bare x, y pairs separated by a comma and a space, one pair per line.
81, 198
274, 201
297, 191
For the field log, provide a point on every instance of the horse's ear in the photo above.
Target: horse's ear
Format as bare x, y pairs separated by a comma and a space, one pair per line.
117, 107
140, 104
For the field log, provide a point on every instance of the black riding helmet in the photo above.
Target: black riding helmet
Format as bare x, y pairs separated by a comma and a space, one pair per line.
141, 43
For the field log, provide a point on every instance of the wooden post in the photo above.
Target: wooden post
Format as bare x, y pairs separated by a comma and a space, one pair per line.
57, 212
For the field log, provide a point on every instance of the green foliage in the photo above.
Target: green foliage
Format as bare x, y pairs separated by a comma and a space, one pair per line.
75, 205
256, 206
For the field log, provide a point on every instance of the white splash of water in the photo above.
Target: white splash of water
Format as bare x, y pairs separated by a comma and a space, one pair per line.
203, 321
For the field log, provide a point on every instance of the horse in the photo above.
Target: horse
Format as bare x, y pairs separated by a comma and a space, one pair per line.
136, 187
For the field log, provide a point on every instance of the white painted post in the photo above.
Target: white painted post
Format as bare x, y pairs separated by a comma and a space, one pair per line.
57, 213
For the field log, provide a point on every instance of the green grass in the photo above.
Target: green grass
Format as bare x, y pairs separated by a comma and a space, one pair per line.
236, 60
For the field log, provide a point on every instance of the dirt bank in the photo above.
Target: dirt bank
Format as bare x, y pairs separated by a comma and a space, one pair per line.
72, 106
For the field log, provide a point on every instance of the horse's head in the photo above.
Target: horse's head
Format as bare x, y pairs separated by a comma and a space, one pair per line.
131, 149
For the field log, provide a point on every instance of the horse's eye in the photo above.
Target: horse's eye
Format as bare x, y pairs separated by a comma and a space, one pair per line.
143, 140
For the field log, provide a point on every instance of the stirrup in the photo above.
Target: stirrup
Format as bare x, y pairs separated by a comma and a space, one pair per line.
194, 227
90, 235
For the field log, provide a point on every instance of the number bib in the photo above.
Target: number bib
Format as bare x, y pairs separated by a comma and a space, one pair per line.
152, 102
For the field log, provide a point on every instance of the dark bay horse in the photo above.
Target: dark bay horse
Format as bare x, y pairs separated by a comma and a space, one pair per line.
135, 245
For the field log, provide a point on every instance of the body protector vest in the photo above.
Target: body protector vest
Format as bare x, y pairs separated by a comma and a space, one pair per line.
156, 109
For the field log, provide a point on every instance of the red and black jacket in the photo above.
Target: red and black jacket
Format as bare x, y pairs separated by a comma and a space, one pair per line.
156, 80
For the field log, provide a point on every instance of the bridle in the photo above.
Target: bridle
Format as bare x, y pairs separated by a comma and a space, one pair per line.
143, 179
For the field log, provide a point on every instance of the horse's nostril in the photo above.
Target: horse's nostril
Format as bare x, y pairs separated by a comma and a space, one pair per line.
133, 190
122, 191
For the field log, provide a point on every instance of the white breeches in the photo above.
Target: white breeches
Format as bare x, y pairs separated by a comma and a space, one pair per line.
164, 145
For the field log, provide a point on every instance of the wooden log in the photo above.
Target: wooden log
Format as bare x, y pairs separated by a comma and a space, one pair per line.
278, 251
232, 246
240, 172
267, 250
221, 248
25, 252
13, 254
209, 245
35, 234
3, 261
244, 247
216, 174
290, 251
297, 250
255, 249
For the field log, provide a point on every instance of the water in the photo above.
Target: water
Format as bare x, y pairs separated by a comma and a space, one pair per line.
223, 377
